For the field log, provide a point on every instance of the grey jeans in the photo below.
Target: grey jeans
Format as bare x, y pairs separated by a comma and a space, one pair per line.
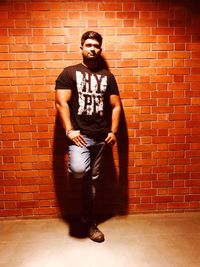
85, 163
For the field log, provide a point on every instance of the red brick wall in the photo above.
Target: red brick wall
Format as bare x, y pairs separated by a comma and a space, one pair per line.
153, 48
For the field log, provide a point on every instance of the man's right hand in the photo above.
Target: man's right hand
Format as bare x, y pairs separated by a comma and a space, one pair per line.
77, 138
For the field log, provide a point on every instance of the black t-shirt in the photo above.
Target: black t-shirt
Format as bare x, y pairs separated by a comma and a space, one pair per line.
90, 108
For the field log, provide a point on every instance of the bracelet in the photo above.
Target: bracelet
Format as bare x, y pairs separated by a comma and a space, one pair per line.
68, 132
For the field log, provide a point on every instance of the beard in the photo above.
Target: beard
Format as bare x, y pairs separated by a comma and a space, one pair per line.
91, 58
97, 63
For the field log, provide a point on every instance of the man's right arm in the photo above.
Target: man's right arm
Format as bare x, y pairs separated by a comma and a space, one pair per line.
63, 96
62, 99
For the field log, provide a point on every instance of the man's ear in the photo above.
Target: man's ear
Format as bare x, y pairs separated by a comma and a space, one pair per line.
81, 47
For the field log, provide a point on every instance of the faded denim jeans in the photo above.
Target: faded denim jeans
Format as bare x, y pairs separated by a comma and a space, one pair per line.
85, 163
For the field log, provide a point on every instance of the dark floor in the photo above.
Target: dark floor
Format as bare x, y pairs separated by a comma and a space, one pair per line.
159, 240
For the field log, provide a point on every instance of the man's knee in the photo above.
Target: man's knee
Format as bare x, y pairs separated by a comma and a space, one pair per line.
79, 171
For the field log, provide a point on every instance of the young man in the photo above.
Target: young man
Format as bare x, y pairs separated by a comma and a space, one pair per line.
88, 103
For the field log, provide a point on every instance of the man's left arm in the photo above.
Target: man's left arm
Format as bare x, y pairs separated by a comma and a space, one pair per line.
116, 111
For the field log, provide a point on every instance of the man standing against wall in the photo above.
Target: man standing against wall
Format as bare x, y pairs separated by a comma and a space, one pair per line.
89, 106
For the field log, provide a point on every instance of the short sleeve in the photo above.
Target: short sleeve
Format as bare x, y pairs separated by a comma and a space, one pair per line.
113, 87
64, 80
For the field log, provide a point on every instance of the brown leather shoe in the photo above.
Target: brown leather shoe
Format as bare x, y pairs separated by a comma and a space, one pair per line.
95, 234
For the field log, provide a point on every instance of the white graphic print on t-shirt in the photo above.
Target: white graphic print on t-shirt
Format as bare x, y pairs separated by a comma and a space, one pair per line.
91, 89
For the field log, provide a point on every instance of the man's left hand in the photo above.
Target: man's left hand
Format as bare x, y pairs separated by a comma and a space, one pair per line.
111, 138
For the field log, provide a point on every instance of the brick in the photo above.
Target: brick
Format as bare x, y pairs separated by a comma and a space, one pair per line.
145, 102
146, 6
161, 199
11, 213
179, 39
162, 124
110, 6
162, 39
145, 23
162, 184
144, 55
193, 109
162, 94
45, 211
175, 117
144, 162
192, 46
179, 101
192, 198
161, 79
162, 169
145, 207
28, 189
162, 31
160, 155
192, 63
184, 55
126, 31
126, 15
22, 32
179, 71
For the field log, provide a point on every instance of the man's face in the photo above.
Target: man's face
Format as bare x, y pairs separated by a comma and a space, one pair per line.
91, 49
